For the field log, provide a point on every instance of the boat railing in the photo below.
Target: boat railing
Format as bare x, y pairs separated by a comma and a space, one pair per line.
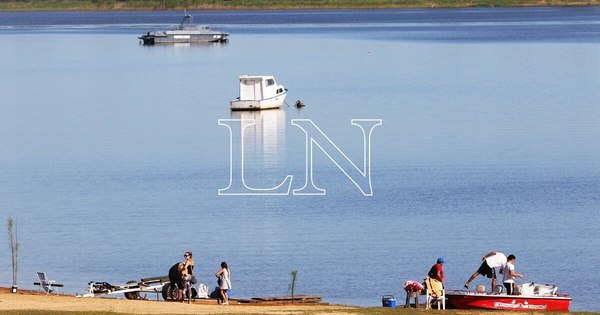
526, 295
186, 21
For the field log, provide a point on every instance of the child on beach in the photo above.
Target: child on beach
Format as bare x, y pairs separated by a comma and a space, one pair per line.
186, 284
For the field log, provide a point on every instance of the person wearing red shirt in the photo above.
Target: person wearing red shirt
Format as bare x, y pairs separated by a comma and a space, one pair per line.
437, 271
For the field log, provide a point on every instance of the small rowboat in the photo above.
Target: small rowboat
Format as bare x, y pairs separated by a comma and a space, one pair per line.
533, 297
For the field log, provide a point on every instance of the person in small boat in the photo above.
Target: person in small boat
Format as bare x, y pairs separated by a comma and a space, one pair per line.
224, 281
437, 271
490, 261
509, 274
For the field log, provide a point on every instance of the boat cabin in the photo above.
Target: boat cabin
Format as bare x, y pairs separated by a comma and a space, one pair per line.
254, 88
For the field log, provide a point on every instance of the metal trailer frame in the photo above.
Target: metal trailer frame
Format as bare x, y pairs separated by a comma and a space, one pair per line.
131, 289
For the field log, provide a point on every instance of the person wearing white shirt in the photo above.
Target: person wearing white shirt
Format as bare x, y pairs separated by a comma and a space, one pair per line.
509, 274
490, 261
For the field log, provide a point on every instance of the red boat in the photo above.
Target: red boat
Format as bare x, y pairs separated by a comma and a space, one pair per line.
533, 297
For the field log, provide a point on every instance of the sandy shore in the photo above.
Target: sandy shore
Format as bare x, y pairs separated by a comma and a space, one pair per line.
25, 301
31, 300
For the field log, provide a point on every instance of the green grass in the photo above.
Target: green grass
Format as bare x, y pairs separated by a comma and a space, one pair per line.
268, 4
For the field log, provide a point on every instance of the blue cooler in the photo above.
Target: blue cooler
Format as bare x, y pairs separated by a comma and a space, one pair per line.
388, 301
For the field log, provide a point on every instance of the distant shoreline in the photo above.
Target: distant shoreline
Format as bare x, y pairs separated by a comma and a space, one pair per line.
148, 5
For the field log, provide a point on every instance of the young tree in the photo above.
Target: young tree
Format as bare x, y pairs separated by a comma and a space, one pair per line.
14, 245
292, 286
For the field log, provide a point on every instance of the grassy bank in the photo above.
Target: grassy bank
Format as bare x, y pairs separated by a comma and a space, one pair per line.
21, 5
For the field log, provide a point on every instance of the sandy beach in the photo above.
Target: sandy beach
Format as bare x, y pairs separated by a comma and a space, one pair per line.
32, 300
26, 301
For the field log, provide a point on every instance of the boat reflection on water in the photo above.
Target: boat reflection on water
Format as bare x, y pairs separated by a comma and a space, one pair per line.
263, 141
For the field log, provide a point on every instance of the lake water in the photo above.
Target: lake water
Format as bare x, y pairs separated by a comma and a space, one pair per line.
111, 155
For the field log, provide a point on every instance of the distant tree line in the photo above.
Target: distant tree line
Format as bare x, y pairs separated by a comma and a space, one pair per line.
268, 4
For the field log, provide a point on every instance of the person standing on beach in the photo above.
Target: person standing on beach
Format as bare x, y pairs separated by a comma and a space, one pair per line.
224, 281
186, 284
490, 260
189, 269
189, 262
437, 271
509, 274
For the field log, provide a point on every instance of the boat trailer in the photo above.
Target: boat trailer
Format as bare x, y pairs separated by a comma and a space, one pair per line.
131, 289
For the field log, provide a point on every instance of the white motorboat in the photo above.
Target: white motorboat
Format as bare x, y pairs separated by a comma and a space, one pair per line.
259, 92
530, 297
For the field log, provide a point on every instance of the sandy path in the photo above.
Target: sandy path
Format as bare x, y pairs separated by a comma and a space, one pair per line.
33, 301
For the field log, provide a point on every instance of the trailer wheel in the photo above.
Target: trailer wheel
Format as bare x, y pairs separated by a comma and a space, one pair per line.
132, 295
169, 294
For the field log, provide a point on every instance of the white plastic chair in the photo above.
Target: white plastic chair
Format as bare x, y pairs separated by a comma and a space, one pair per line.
435, 293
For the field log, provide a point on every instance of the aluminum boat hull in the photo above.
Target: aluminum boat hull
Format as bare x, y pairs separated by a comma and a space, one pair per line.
182, 37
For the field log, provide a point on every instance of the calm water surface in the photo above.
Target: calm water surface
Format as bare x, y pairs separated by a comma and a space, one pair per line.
111, 155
